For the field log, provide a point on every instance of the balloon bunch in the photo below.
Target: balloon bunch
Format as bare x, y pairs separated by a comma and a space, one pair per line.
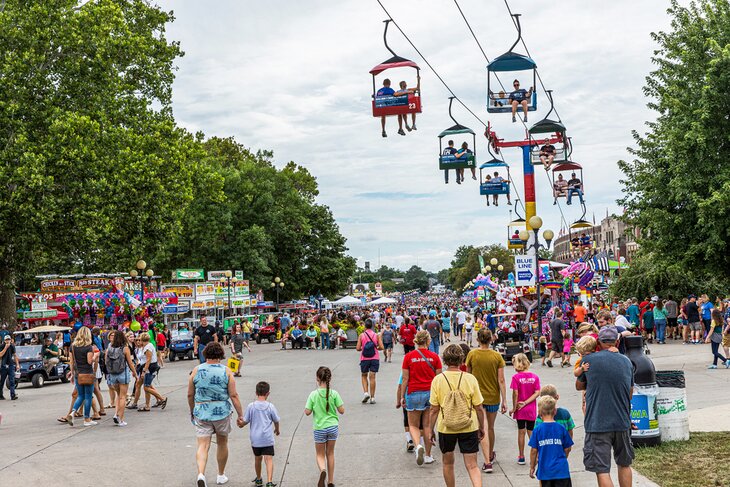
506, 302
104, 306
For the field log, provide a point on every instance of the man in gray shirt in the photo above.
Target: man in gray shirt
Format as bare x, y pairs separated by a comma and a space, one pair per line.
609, 383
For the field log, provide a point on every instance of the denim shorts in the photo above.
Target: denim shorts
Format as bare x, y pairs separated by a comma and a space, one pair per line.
418, 401
491, 408
123, 378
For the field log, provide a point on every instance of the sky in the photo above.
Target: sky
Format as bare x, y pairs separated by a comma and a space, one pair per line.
293, 77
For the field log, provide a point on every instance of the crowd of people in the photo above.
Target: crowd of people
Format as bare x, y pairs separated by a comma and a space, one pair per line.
451, 389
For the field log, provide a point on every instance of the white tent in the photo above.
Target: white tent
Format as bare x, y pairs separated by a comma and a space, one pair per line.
347, 301
384, 300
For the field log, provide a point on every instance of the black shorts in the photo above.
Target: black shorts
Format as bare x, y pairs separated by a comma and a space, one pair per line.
408, 348
557, 347
468, 442
525, 424
597, 450
263, 450
556, 483
672, 322
405, 419
388, 345
161, 348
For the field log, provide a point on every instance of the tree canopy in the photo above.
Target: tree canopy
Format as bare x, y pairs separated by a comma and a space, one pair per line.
96, 174
466, 265
677, 188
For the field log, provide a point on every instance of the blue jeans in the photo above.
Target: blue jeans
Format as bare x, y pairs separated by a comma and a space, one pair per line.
200, 353
84, 396
325, 338
434, 346
9, 372
716, 353
576, 191
661, 326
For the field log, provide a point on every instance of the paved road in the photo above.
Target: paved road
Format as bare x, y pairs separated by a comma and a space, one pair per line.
157, 448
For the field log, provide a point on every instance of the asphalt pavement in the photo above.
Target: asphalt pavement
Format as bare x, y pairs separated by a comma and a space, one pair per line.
158, 448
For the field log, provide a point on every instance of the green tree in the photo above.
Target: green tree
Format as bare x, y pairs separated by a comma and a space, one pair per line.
94, 172
416, 278
677, 189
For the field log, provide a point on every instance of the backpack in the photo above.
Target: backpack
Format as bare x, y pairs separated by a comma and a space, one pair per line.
455, 407
368, 350
115, 360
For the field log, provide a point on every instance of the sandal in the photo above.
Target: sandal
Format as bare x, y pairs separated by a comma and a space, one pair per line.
96, 418
163, 404
102, 413
62, 419
109, 406
78, 415
143, 410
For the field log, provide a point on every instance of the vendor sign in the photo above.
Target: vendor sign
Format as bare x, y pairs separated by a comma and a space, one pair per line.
189, 274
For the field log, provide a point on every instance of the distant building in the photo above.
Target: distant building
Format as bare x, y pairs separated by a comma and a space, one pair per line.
398, 280
611, 235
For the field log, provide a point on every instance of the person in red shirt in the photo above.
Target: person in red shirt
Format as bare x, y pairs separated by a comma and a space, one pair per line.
419, 368
407, 333
161, 347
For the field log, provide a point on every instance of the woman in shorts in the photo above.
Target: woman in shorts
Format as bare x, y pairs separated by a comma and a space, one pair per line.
211, 392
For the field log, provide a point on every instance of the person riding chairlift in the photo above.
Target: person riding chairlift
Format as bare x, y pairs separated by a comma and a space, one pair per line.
404, 90
450, 151
497, 179
547, 155
464, 151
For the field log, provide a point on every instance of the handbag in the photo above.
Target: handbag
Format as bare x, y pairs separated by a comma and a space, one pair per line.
85, 379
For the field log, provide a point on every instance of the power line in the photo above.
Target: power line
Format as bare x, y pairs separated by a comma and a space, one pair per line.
429, 64
476, 39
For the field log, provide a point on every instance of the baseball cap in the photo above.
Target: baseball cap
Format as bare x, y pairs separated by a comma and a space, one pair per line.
655, 299
608, 334
432, 313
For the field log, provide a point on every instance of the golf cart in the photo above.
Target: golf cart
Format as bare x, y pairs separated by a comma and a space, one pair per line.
181, 339
35, 370
509, 344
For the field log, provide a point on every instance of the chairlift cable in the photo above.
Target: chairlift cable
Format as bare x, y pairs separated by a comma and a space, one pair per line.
429, 64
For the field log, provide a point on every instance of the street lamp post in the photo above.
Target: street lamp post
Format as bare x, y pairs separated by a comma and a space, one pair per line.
535, 223
142, 275
228, 280
278, 284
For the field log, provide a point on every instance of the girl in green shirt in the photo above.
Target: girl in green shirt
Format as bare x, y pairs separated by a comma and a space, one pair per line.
324, 403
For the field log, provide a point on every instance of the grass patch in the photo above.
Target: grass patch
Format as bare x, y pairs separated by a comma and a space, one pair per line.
694, 463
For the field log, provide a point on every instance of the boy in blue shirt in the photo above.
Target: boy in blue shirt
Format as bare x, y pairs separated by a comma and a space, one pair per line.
264, 420
551, 445
562, 416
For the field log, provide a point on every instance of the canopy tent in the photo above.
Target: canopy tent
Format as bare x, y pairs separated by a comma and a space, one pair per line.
554, 265
43, 329
384, 300
347, 301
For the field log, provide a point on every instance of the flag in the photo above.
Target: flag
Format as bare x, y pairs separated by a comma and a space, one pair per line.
599, 262
586, 257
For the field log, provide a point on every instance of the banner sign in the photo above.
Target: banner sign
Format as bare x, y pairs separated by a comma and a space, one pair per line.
189, 274
217, 275
58, 285
180, 290
46, 313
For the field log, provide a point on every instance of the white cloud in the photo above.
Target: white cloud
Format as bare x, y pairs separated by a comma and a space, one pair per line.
293, 77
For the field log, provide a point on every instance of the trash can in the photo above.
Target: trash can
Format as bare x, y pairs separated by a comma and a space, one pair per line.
645, 431
672, 405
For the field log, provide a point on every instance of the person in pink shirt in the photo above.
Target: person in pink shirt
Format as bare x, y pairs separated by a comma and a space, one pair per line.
525, 391
567, 345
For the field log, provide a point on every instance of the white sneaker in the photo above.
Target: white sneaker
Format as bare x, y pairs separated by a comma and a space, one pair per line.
428, 460
93, 423
221, 479
201, 480
420, 450
122, 423
365, 398
372, 400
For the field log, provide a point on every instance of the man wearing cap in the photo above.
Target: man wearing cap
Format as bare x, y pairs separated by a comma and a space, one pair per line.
609, 382
9, 363
433, 327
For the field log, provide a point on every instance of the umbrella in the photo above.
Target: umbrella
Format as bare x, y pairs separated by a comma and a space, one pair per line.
44, 329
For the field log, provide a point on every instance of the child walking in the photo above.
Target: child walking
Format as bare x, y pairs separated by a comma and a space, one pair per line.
468, 328
562, 416
551, 444
325, 403
567, 346
525, 390
543, 349
264, 420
